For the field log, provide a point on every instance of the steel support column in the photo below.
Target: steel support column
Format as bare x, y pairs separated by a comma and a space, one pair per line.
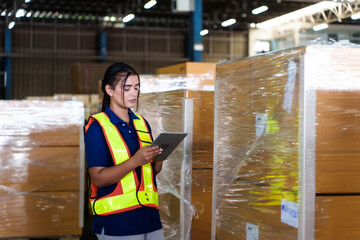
103, 45
7, 62
195, 46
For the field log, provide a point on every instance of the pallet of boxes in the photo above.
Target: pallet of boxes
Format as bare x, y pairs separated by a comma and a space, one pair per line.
41, 169
184, 102
287, 145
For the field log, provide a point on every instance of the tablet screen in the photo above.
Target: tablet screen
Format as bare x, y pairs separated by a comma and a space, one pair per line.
168, 141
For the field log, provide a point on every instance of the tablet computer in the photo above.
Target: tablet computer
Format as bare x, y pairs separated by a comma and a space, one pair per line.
168, 141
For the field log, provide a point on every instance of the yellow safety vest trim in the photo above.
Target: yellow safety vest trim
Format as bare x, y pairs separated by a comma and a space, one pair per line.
145, 139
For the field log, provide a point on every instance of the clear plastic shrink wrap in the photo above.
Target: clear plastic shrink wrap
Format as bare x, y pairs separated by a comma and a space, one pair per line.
287, 145
40, 166
185, 182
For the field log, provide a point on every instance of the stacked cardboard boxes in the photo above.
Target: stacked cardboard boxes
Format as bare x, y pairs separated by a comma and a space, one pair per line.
199, 76
168, 116
40, 174
286, 156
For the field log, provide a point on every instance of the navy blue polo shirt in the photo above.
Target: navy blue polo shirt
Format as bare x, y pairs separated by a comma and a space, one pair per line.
137, 221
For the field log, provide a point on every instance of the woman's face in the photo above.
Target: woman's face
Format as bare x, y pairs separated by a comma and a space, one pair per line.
125, 96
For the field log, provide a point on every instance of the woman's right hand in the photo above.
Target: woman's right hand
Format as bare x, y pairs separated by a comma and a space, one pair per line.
145, 154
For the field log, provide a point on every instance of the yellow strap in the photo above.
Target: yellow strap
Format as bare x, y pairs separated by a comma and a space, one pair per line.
119, 150
118, 147
123, 201
142, 131
145, 137
146, 140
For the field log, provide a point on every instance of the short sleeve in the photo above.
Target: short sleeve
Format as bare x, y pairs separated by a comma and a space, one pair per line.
96, 150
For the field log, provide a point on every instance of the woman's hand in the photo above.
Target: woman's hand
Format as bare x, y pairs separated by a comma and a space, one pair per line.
145, 154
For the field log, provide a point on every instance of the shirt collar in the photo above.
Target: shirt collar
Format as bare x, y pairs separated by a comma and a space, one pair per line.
114, 119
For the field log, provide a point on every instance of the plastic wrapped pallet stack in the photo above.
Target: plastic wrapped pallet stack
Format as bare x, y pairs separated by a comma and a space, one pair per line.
40, 175
287, 145
177, 104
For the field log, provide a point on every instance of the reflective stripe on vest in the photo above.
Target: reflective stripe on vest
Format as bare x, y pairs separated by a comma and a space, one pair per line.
125, 196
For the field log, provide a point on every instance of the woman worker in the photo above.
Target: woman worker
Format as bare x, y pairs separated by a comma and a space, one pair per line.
123, 193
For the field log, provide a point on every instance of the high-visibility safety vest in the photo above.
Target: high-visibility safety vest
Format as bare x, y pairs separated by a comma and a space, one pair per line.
128, 194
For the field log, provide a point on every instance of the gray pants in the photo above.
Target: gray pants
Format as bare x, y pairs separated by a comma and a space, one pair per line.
156, 235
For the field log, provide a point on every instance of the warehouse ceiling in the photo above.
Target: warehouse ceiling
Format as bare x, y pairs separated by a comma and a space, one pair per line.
161, 15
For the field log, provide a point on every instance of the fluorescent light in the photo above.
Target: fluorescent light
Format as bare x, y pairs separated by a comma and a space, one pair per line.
320, 27
252, 25
259, 10
355, 16
11, 25
28, 14
128, 18
27, 1
20, 13
204, 32
150, 4
228, 22
113, 18
310, 10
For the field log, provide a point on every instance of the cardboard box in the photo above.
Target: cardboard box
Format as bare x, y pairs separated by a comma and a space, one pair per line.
192, 68
201, 198
338, 142
337, 217
189, 68
40, 214
40, 168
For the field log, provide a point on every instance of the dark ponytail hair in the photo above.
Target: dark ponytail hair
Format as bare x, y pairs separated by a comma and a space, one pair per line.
111, 78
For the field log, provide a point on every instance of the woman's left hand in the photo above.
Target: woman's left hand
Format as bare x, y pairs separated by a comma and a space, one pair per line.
145, 154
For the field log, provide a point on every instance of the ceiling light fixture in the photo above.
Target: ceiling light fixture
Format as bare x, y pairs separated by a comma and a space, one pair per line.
355, 16
310, 10
20, 13
150, 4
128, 18
228, 22
320, 27
204, 32
11, 25
27, 1
259, 10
